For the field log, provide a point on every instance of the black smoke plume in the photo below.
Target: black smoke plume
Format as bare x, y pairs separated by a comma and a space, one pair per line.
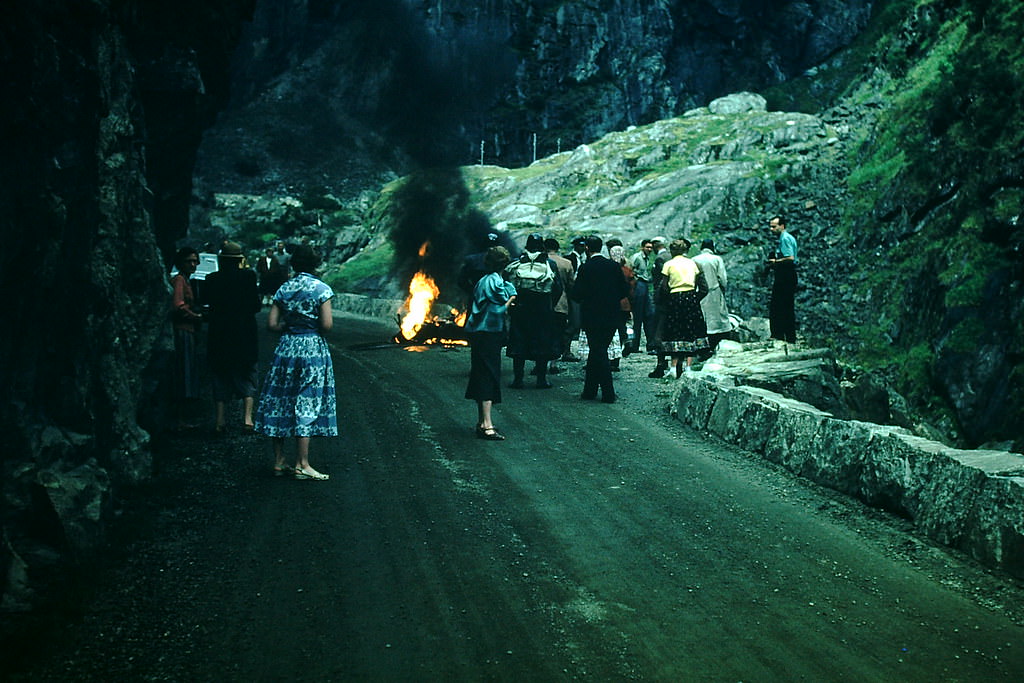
433, 208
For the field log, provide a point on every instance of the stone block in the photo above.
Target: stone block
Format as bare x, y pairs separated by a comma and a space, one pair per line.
969, 500
695, 401
794, 438
885, 475
744, 416
834, 454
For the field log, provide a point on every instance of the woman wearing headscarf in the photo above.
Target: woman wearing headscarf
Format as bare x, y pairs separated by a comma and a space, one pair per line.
534, 333
487, 330
298, 397
684, 332
716, 312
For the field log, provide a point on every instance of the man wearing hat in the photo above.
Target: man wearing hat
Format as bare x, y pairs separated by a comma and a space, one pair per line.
232, 295
473, 267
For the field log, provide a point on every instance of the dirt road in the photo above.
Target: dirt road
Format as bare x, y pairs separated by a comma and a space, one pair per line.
600, 542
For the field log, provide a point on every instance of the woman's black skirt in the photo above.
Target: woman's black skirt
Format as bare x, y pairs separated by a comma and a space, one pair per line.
485, 366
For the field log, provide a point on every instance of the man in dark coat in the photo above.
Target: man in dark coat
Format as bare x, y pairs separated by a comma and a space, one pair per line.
233, 297
269, 272
600, 287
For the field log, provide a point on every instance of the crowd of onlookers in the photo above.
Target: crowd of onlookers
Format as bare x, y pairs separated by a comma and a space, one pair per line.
545, 307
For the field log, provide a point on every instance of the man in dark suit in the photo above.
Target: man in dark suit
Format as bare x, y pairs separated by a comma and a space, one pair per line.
600, 287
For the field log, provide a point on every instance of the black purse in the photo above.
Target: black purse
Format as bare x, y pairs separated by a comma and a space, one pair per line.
702, 286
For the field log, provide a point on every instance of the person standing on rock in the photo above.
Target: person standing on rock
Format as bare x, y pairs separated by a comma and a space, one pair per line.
298, 397
716, 312
783, 262
600, 288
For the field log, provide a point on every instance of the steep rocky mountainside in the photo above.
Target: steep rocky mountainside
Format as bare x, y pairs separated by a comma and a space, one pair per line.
104, 104
936, 190
924, 199
910, 224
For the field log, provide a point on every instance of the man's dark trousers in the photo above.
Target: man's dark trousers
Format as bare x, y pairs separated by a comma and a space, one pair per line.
599, 371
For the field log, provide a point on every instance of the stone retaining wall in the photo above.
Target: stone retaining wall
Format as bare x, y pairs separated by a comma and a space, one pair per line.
356, 304
971, 500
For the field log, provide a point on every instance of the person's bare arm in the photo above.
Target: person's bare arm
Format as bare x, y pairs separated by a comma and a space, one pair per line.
274, 321
326, 317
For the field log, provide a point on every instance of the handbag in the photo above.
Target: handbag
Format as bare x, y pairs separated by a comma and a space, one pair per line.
702, 286
662, 293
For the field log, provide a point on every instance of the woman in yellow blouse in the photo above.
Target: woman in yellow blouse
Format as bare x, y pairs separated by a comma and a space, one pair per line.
684, 333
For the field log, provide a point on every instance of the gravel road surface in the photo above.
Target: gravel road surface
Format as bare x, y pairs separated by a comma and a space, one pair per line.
599, 542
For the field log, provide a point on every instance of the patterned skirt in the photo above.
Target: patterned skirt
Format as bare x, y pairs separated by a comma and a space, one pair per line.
684, 331
298, 393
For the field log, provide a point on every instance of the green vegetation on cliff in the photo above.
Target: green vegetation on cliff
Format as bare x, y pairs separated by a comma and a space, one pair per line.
936, 181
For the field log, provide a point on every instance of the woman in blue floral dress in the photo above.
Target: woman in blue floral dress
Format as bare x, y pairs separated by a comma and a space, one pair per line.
298, 393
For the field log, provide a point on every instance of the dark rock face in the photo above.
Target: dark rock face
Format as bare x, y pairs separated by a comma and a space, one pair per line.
397, 73
103, 107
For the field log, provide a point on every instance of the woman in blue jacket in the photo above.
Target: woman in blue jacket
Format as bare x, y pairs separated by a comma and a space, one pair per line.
487, 329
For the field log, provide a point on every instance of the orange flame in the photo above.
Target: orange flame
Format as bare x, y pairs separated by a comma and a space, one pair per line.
422, 293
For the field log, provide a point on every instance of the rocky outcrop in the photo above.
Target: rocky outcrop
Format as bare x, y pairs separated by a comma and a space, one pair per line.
99, 127
335, 228
971, 500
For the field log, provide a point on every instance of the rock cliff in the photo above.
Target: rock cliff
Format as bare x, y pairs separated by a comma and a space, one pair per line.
909, 222
103, 110
335, 87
